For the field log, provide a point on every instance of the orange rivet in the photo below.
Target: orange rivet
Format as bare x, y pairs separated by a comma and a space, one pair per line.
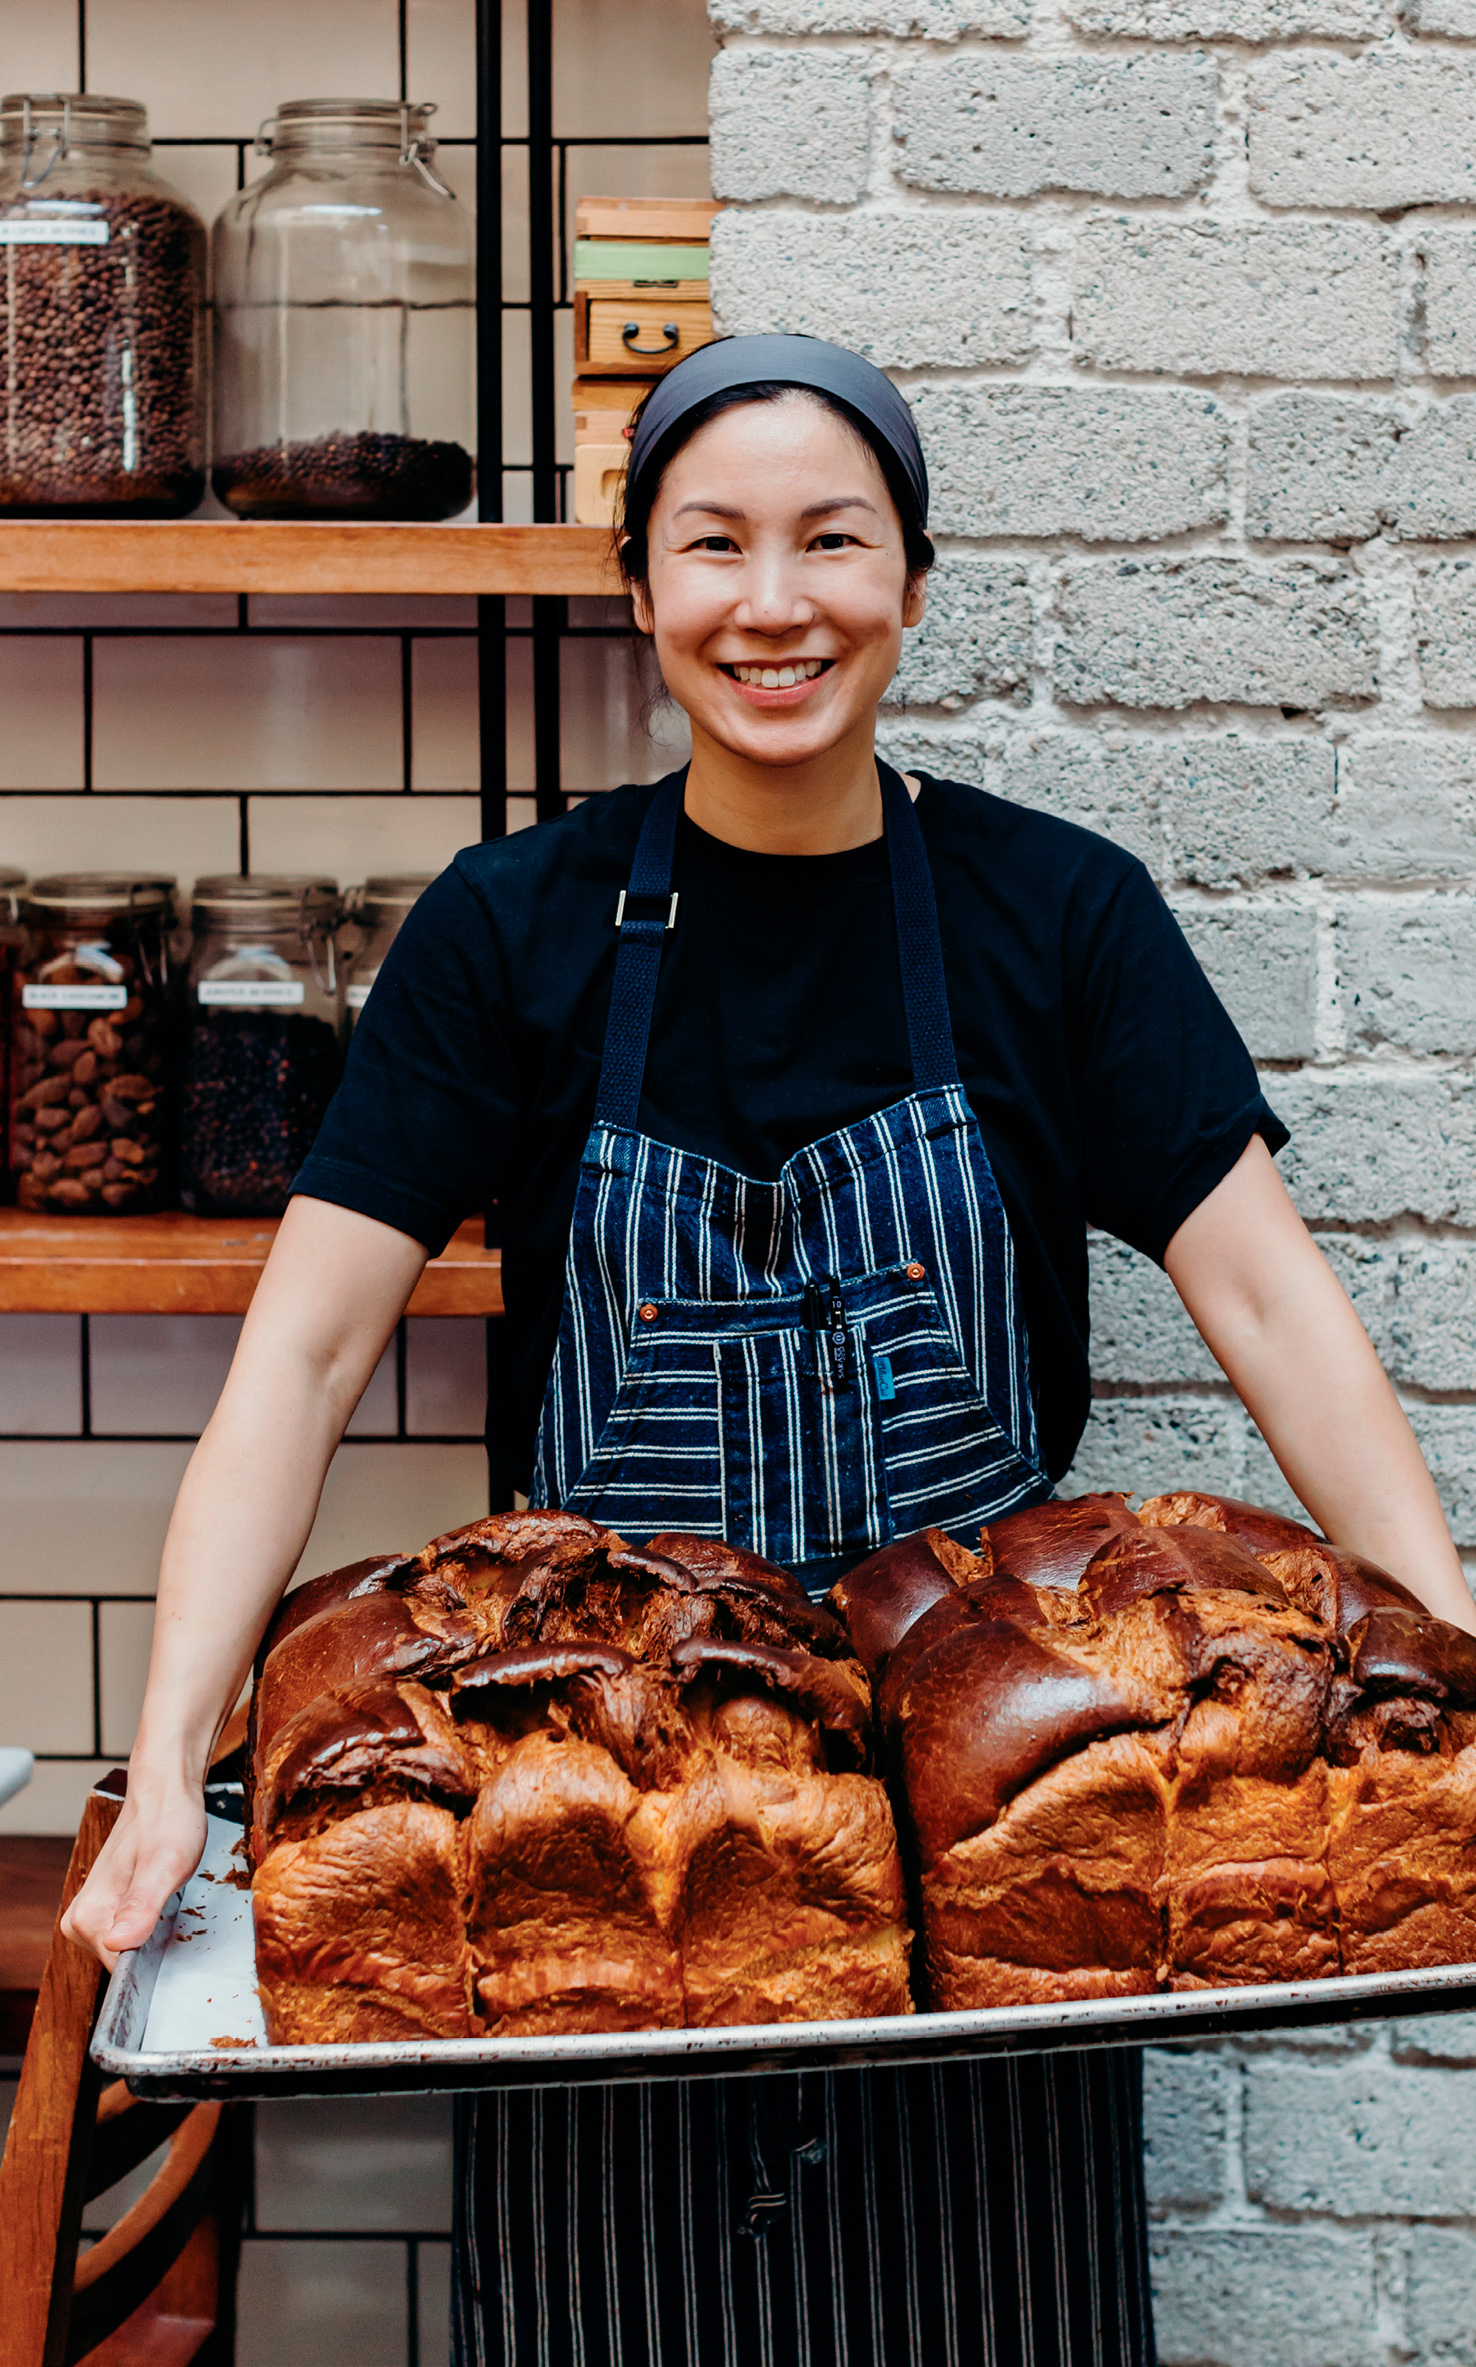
915, 1272
648, 1314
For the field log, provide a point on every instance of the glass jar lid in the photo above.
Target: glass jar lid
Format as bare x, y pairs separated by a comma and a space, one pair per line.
352, 123
272, 899
64, 119
389, 895
72, 893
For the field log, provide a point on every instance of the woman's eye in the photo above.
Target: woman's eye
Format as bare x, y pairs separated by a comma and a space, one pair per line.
832, 542
715, 542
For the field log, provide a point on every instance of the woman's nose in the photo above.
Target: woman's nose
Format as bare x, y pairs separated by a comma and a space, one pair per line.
772, 597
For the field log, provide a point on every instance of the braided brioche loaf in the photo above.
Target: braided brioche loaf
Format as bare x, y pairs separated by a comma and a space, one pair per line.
534, 1779
1185, 1748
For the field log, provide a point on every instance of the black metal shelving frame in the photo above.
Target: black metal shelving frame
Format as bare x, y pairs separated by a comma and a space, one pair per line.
548, 294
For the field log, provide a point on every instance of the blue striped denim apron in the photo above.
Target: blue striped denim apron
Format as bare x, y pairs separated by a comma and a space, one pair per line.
806, 1367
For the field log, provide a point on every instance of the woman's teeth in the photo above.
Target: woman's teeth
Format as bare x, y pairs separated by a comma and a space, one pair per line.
779, 677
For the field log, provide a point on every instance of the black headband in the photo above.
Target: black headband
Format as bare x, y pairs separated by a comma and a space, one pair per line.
786, 361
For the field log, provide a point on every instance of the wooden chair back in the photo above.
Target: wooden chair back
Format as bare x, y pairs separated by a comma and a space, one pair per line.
158, 2289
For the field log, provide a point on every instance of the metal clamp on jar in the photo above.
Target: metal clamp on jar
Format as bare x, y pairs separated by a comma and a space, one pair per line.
262, 1046
94, 1050
102, 316
345, 322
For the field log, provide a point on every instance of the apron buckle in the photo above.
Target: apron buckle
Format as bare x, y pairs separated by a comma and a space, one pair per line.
644, 919
825, 1313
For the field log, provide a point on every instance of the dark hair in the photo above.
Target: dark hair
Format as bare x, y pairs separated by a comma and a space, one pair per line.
633, 520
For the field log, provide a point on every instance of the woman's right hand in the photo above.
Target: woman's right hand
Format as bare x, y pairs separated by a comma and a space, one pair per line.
153, 1848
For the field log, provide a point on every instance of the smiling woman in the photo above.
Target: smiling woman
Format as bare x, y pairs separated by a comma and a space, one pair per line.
797, 1086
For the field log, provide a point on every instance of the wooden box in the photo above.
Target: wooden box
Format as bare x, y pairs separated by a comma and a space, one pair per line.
636, 336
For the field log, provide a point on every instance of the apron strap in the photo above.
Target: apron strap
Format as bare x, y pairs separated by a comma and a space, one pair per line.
648, 911
924, 989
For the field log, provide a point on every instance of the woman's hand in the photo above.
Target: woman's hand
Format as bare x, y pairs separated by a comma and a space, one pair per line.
1274, 1315
334, 1288
151, 1851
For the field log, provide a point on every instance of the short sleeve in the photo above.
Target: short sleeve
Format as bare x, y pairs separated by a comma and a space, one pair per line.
1169, 1095
419, 1128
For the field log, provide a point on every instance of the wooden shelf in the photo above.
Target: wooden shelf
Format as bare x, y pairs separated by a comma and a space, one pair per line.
211, 555
191, 1265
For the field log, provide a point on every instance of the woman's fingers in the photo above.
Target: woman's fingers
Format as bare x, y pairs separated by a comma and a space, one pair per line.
144, 1860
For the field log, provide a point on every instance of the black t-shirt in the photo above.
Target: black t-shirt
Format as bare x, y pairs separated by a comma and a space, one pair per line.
1109, 1083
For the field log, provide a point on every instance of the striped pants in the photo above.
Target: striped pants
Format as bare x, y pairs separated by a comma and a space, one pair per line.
982, 2214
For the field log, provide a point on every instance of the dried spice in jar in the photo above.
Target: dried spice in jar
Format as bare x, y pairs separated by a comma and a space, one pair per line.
344, 297
11, 940
262, 1051
102, 316
94, 1013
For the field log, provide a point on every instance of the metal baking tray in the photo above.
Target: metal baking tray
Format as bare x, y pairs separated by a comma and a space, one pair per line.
181, 2018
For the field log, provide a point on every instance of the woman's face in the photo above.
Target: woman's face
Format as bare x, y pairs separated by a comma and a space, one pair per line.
777, 589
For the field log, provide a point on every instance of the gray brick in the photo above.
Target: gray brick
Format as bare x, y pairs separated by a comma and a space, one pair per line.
1457, 17
1184, 2125
927, 20
902, 289
1430, 1341
1011, 127
974, 639
1447, 1436
1362, 2138
1381, 130
1153, 1445
1099, 462
1168, 633
1448, 255
1406, 810
1368, 1144
1261, 960
789, 123
1442, 2279
1265, 2297
1405, 967
1267, 300
1068, 774
1238, 811
1445, 605
1327, 470
1434, 2038
1225, 20
1141, 1333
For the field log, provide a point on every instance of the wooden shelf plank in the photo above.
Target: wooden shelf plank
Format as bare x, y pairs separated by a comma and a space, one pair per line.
212, 555
191, 1265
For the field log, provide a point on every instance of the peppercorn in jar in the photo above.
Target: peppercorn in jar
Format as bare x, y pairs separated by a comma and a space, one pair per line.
102, 316
94, 1043
262, 1043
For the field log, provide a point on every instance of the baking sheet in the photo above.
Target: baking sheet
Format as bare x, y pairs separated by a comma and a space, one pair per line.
181, 2018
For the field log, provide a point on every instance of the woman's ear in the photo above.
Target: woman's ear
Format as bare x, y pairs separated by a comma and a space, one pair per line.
640, 601
914, 601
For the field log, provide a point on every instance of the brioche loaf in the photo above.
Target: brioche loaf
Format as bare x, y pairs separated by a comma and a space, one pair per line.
1192, 1747
537, 1779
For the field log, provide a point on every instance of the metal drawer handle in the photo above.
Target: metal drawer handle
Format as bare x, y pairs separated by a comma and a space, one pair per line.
670, 337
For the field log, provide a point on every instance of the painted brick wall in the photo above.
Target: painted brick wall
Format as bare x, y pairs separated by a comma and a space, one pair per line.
1184, 294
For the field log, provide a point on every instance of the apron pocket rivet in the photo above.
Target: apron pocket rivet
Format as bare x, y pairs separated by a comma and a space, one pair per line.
916, 1273
648, 1314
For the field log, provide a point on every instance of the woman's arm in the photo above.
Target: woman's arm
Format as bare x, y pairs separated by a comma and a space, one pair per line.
334, 1288
1272, 1312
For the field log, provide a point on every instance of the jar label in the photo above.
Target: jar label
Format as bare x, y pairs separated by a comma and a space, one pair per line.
53, 234
252, 994
358, 995
74, 998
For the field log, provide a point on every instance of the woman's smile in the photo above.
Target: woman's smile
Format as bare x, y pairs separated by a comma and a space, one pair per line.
782, 682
